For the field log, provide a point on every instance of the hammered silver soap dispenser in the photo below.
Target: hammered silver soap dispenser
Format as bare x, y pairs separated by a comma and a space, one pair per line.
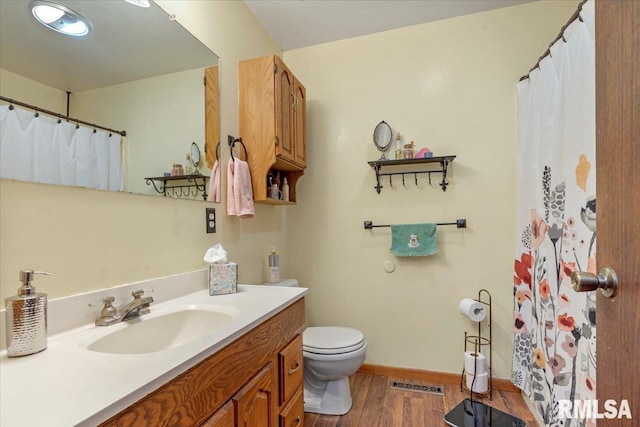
26, 318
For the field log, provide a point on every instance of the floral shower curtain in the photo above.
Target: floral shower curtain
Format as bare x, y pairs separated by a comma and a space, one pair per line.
554, 327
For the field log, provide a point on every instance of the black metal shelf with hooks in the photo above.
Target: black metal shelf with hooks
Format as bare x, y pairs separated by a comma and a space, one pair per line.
181, 185
444, 162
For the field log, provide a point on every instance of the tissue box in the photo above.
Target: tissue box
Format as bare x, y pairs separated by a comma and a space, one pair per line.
223, 278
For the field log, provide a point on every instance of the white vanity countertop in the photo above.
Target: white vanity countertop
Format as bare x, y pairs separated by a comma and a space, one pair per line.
69, 385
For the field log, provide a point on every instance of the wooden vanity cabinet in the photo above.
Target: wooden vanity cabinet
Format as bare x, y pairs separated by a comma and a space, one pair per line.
224, 417
272, 109
254, 403
293, 414
291, 370
244, 384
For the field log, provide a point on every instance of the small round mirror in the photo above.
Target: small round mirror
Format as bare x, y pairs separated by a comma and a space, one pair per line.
195, 155
382, 136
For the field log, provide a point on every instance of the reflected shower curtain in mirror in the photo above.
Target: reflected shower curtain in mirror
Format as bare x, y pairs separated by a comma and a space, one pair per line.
39, 149
554, 358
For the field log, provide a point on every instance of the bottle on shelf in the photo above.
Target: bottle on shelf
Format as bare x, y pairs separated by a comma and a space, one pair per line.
285, 190
187, 165
398, 146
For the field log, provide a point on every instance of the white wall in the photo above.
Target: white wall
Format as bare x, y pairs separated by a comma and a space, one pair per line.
449, 86
17, 87
91, 239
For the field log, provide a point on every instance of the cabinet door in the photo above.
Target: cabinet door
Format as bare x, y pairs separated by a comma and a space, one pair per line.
223, 417
285, 126
255, 402
211, 114
300, 110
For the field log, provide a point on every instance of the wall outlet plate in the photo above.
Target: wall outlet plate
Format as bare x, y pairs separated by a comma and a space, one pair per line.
211, 220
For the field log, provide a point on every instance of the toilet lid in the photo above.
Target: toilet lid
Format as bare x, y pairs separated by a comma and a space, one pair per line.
332, 340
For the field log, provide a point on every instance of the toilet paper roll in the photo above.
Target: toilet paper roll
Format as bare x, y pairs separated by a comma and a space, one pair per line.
474, 363
481, 384
473, 309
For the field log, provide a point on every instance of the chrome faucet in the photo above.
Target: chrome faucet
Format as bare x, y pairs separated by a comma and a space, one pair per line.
136, 308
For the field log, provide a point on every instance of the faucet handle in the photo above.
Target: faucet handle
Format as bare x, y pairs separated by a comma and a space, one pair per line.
137, 294
105, 301
108, 310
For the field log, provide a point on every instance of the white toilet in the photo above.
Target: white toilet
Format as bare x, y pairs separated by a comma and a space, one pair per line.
331, 355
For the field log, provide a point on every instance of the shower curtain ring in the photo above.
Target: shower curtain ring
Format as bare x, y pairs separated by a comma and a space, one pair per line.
37, 114
59, 118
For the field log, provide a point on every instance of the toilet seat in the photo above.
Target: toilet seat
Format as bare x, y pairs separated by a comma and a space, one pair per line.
332, 340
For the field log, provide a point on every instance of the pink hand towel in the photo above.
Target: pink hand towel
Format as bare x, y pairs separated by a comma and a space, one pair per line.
231, 203
214, 184
242, 190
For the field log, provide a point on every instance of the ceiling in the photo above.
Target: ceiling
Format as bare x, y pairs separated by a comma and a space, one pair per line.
127, 43
300, 23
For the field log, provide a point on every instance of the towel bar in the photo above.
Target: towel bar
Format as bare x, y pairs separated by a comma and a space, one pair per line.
460, 223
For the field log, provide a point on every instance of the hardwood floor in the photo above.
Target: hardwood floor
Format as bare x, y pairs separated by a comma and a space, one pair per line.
375, 404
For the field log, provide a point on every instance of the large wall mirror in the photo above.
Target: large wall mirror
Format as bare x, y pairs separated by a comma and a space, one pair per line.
138, 70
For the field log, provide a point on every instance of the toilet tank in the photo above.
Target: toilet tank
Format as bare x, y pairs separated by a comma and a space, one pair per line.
291, 283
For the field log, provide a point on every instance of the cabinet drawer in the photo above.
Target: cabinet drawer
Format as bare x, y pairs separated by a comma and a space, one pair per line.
293, 414
291, 370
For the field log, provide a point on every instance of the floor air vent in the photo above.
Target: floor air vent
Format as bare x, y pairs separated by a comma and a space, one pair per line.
422, 388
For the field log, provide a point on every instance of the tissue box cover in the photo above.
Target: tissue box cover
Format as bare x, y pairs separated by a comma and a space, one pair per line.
223, 278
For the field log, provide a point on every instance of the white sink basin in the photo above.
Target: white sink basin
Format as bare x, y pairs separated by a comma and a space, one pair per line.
150, 334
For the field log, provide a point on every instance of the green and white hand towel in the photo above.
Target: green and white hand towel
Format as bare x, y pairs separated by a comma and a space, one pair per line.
413, 239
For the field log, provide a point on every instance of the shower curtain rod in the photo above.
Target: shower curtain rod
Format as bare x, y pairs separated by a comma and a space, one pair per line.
60, 116
576, 15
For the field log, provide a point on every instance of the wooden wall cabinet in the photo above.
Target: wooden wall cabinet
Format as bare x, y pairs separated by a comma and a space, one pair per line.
256, 381
272, 109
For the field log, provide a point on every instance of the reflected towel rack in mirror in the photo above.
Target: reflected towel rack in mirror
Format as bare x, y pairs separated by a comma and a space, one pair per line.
182, 186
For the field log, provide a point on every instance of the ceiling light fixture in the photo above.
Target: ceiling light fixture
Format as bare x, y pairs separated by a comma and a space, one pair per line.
140, 3
59, 18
